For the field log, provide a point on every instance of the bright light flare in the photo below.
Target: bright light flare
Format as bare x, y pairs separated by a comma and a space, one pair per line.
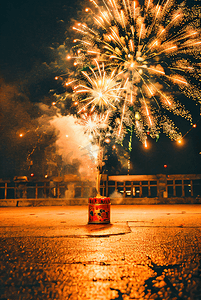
179, 141
107, 140
146, 144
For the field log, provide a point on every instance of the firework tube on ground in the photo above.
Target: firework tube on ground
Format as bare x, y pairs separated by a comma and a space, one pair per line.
99, 210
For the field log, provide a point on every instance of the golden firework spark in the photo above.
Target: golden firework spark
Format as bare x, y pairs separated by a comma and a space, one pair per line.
137, 60
99, 90
94, 123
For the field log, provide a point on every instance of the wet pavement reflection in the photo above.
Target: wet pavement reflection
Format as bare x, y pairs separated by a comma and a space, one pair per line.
146, 263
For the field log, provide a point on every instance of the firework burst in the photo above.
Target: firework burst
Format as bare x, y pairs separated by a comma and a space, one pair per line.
101, 90
134, 60
93, 123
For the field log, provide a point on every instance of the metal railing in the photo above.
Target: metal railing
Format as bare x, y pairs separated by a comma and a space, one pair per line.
139, 186
132, 186
47, 189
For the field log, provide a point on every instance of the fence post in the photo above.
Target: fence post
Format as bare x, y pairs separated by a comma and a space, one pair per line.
157, 187
192, 188
149, 189
58, 190
174, 188
183, 191
140, 189
6, 190
36, 194
45, 190
132, 189
124, 189
116, 188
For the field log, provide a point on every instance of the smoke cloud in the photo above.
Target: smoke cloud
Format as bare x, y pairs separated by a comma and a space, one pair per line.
74, 146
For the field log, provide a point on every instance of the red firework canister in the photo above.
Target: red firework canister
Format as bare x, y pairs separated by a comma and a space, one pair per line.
99, 210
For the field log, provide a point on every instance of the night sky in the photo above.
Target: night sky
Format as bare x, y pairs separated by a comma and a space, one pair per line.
30, 32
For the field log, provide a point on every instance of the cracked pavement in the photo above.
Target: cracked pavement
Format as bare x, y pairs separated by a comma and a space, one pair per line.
147, 252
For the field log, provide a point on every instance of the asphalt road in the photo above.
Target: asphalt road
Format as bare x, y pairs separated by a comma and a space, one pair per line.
147, 252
